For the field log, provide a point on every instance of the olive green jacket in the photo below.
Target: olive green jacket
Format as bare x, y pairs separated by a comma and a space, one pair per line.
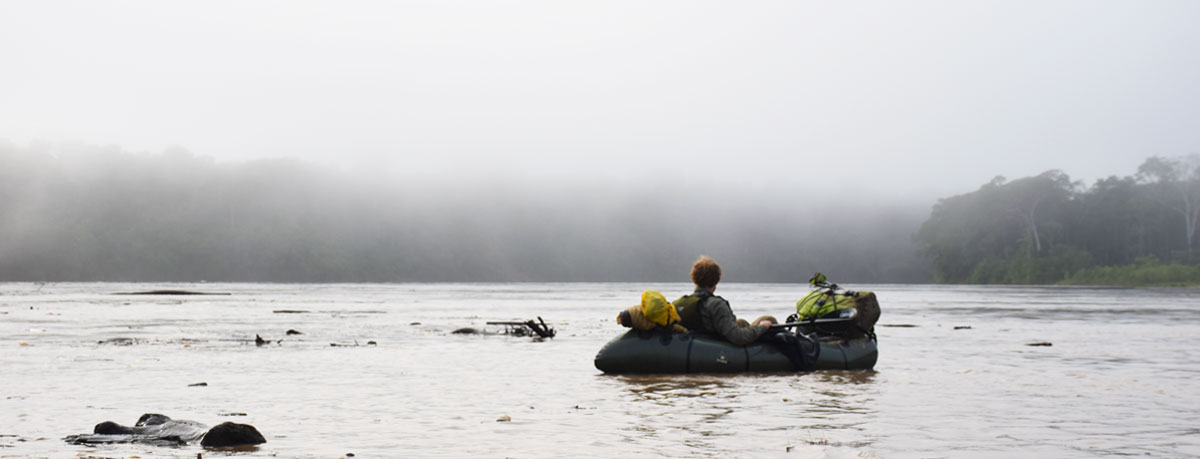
715, 316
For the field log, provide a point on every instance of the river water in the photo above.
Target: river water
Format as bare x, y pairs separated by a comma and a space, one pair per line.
956, 375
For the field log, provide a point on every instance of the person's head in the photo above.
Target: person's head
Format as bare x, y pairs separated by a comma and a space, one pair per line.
706, 273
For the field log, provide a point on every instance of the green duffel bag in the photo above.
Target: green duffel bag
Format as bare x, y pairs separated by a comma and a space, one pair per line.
844, 313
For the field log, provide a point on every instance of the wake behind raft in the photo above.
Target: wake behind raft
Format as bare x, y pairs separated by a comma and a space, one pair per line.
835, 328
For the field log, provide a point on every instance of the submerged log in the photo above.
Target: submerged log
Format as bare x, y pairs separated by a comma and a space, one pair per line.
172, 292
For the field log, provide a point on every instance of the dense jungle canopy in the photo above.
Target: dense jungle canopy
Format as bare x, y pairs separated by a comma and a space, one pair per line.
1047, 228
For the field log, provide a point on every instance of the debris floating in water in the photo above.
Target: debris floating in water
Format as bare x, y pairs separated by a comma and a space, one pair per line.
504, 418
172, 292
369, 343
199, 384
118, 341
1043, 343
898, 325
294, 332
290, 311
527, 328
962, 327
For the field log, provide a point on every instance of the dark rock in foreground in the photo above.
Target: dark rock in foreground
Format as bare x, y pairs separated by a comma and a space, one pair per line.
232, 434
160, 430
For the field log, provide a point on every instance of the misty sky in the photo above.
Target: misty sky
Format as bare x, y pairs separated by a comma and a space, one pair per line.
925, 99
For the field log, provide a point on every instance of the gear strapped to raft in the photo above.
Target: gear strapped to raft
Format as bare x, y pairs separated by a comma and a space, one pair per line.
831, 311
802, 350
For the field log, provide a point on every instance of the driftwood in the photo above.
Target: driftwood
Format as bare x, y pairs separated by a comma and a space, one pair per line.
528, 328
369, 343
172, 292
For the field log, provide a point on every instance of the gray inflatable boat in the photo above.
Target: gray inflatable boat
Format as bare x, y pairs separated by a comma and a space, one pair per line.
644, 352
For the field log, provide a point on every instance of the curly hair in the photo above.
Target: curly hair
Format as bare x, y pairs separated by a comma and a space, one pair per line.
705, 272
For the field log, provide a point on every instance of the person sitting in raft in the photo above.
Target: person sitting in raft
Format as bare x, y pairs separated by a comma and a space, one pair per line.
702, 311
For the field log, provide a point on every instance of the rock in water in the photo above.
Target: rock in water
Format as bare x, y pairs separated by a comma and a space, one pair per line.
232, 434
159, 430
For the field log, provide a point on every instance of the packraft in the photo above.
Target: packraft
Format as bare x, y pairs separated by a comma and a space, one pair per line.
858, 309
638, 351
841, 339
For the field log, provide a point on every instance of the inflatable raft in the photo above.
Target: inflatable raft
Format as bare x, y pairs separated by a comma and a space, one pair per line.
644, 352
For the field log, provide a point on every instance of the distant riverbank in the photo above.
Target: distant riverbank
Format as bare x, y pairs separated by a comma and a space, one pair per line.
1070, 268
1146, 272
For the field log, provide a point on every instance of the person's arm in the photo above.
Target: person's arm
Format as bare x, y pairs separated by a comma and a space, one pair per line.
720, 316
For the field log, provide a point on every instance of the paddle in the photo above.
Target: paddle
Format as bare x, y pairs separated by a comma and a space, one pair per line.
831, 320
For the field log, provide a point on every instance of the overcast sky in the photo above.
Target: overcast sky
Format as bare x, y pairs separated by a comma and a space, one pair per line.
923, 99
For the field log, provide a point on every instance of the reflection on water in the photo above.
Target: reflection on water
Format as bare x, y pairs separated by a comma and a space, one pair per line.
684, 408
710, 412
844, 378
661, 387
1120, 377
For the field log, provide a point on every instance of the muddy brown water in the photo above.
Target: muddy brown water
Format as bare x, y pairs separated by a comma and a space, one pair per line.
1116, 373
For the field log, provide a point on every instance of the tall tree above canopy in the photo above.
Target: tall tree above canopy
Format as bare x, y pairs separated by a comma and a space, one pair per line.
1177, 180
995, 223
1048, 191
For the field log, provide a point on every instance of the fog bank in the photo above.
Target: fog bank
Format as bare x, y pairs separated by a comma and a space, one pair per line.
84, 213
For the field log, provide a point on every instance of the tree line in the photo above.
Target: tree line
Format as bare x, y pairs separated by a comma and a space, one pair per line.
1048, 228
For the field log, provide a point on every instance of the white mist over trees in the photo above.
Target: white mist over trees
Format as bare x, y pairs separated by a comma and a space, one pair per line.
84, 213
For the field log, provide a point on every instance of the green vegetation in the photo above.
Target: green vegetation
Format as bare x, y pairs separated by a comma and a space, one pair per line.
1047, 229
1146, 271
